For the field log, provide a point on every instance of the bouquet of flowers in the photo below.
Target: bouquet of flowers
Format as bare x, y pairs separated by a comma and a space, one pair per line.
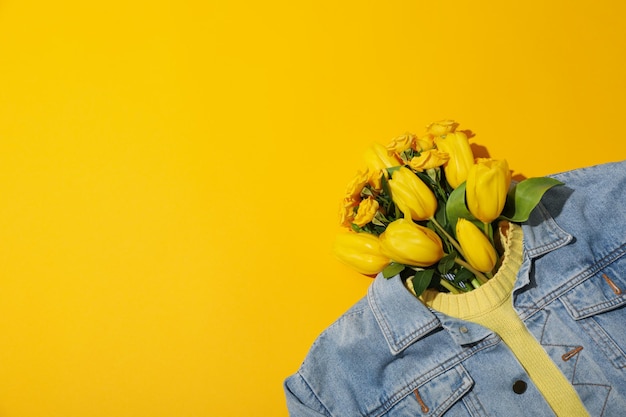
426, 209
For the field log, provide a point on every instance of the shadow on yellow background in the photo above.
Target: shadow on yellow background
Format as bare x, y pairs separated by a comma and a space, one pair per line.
170, 174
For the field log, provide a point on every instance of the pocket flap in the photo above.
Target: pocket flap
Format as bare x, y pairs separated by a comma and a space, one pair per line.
442, 391
601, 292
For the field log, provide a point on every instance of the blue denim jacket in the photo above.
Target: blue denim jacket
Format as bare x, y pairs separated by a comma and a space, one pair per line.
570, 292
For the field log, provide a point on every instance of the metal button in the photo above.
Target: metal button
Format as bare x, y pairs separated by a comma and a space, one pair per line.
463, 329
519, 387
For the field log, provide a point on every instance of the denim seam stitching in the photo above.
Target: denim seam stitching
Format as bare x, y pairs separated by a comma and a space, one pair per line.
417, 383
344, 317
398, 344
434, 373
468, 400
582, 383
604, 340
573, 282
550, 224
315, 394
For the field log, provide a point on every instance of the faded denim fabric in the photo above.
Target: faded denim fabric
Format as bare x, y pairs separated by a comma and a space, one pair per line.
389, 355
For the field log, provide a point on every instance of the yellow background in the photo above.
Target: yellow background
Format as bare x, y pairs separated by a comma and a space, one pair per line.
170, 173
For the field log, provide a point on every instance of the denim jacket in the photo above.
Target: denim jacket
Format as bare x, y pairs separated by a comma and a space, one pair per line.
389, 355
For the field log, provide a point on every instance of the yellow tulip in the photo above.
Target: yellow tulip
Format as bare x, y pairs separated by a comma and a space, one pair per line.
411, 244
411, 195
478, 251
486, 188
360, 251
366, 211
428, 159
457, 146
378, 160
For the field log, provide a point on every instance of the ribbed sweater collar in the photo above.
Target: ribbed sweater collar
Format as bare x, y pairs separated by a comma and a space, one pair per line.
490, 295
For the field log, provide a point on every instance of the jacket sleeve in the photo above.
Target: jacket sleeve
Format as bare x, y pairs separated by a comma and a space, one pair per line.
301, 400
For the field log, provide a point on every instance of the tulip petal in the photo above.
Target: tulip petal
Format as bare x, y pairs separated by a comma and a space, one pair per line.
486, 188
478, 250
360, 251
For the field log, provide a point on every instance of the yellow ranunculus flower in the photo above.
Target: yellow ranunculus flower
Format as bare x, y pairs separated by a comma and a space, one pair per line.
428, 159
425, 143
401, 143
360, 251
353, 191
378, 160
487, 184
346, 211
478, 251
456, 145
411, 244
366, 211
442, 127
411, 195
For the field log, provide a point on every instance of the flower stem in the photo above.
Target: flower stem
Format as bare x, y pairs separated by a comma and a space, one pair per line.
447, 235
479, 275
444, 283
486, 230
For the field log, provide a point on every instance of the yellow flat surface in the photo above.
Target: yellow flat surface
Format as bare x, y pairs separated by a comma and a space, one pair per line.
170, 174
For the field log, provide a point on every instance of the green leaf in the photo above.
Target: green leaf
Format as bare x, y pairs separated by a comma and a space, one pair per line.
446, 263
440, 215
523, 197
366, 192
384, 183
422, 280
379, 219
392, 270
391, 170
407, 154
463, 275
456, 207
434, 175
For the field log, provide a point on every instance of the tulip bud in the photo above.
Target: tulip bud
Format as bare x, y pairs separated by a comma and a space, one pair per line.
486, 188
378, 160
411, 195
456, 145
361, 251
478, 251
411, 244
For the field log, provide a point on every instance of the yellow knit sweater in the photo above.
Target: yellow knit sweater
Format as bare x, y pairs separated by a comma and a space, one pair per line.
491, 306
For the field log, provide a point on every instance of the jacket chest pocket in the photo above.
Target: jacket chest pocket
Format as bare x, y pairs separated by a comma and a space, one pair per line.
599, 306
440, 394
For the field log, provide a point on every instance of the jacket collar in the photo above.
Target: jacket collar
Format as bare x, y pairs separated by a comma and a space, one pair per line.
403, 320
401, 317
542, 234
